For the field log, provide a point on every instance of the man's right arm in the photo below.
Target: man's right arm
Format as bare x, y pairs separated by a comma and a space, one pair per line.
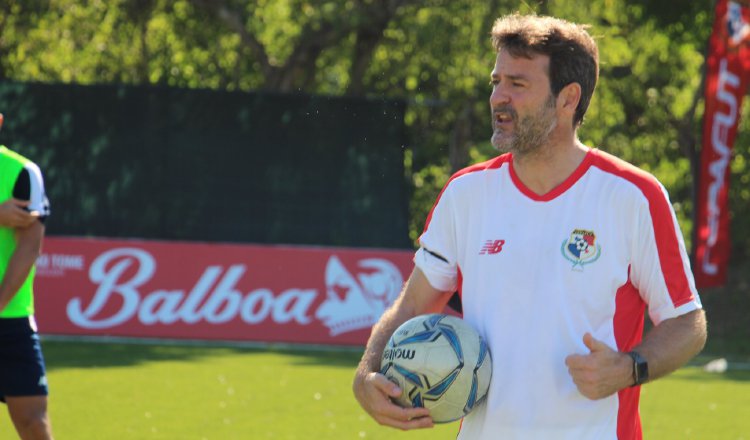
372, 389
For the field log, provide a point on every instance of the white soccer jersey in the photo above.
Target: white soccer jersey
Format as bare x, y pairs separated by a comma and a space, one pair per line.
537, 272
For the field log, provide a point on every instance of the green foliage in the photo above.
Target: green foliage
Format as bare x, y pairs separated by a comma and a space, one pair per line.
435, 54
649, 76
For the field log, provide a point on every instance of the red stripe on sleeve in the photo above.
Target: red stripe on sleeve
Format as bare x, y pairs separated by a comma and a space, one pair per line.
665, 234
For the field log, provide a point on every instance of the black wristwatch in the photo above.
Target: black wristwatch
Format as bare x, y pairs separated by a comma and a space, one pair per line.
640, 368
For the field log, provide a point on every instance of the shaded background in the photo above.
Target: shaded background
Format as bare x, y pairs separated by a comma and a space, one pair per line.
171, 163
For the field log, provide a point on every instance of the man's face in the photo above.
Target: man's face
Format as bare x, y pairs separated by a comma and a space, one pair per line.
523, 108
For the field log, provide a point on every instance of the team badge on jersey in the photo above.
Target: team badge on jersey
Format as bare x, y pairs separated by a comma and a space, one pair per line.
581, 248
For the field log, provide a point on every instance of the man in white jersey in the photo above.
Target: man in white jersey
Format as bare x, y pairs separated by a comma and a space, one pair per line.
557, 250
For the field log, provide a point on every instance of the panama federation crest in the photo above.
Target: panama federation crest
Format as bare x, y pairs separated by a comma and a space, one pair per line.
581, 248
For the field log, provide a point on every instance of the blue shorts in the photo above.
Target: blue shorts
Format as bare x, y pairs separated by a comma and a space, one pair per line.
22, 370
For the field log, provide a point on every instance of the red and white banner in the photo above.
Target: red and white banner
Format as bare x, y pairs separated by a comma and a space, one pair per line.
727, 74
209, 291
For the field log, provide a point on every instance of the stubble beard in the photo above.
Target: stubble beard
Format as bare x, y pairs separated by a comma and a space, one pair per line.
531, 132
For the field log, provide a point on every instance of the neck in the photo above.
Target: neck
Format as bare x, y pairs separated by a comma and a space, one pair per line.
546, 168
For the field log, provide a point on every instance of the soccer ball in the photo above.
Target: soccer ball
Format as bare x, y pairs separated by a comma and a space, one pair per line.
441, 363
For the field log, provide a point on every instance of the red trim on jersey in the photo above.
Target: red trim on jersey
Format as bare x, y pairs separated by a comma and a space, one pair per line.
559, 189
460, 283
628, 418
665, 234
628, 326
482, 166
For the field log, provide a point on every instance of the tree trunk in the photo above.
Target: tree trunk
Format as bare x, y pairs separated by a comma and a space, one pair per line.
364, 47
460, 141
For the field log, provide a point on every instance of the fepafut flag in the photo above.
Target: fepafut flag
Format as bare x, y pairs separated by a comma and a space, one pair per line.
727, 74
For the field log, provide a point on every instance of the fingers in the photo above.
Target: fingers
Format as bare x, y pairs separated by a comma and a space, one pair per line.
583, 370
393, 415
21, 216
407, 424
600, 372
13, 214
385, 385
576, 361
23, 219
594, 344
390, 389
588, 341
375, 397
596, 349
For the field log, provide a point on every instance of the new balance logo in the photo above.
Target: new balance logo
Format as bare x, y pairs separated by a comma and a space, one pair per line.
492, 247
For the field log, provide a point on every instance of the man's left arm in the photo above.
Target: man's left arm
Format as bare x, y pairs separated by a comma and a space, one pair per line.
28, 248
673, 343
666, 347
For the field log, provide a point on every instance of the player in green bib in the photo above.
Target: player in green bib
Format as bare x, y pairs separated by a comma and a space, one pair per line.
23, 209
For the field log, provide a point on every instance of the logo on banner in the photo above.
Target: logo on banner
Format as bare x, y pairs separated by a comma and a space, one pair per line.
57, 264
726, 76
354, 303
737, 27
722, 123
581, 248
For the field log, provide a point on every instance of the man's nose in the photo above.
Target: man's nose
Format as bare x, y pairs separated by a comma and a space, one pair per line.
499, 96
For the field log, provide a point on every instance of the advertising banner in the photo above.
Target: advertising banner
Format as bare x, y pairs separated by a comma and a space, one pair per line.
727, 74
209, 291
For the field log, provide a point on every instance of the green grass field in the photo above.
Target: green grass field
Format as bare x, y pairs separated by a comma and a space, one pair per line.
129, 391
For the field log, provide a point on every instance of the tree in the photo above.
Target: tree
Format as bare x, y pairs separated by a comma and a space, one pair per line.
435, 54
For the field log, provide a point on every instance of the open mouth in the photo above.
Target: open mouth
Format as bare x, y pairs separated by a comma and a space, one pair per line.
503, 118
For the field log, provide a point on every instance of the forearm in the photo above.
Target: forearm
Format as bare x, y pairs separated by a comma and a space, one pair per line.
418, 298
673, 343
373, 390
668, 346
381, 332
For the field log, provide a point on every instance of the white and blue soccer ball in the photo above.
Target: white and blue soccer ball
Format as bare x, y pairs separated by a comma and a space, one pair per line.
441, 363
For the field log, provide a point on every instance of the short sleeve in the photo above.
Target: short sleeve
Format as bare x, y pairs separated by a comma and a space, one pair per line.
660, 268
30, 186
436, 257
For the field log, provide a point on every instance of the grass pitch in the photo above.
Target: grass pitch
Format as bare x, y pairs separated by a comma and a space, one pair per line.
133, 391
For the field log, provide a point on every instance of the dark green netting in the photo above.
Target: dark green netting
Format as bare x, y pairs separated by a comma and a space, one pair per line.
176, 164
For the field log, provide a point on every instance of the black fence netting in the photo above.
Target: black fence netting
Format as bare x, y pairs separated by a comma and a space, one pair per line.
177, 164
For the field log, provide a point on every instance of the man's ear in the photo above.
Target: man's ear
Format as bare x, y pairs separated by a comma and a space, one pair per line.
569, 97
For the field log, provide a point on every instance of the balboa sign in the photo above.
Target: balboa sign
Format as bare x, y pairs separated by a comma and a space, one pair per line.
215, 291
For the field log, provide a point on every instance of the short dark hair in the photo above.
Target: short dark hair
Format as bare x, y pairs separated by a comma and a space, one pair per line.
573, 55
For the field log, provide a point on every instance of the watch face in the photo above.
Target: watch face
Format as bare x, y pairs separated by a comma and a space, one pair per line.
640, 368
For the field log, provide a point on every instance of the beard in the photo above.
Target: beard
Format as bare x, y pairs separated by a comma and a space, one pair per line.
530, 132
